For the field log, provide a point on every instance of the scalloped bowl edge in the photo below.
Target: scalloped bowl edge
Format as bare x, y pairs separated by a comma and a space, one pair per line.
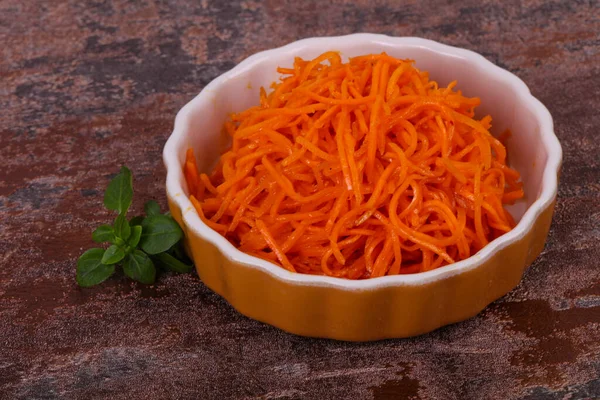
386, 307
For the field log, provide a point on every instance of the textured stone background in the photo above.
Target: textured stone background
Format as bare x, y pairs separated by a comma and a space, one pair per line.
86, 86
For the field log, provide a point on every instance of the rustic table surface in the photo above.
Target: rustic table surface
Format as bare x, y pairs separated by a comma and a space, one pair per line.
88, 86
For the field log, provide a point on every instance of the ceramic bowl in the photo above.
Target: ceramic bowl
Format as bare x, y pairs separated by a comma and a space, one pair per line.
390, 306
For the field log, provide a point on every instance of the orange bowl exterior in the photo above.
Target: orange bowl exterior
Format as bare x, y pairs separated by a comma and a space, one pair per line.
386, 307
363, 315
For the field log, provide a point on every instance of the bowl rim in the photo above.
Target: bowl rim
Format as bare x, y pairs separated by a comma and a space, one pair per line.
176, 192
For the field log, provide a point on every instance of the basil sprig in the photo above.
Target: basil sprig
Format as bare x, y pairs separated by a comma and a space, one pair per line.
139, 244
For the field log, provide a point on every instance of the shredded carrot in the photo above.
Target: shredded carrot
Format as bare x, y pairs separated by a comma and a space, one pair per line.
358, 170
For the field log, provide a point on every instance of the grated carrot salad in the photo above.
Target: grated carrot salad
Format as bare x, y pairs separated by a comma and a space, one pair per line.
358, 170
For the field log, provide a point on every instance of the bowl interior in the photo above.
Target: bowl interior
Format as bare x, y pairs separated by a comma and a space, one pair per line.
239, 90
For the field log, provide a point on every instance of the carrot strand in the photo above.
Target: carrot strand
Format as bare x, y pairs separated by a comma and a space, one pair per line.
358, 170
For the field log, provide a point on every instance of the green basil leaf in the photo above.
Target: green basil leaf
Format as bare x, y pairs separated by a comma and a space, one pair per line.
151, 208
179, 253
119, 192
90, 270
113, 255
104, 233
134, 238
168, 261
139, 267
159, 233
122, 228
136, 220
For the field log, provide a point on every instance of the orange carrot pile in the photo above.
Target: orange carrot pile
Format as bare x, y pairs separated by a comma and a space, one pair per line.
358, 170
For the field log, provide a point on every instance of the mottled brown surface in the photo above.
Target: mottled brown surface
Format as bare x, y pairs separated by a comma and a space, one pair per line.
88, 86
